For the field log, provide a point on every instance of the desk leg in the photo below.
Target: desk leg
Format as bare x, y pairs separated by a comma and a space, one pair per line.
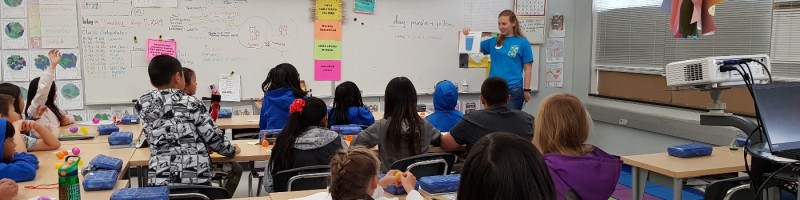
250, 179
639, 182
677, 188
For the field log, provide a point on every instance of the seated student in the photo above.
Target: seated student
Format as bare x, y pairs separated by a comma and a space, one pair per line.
348, 107
578, 169
402, 132
354, 175
496, 117
178, 128
14, 91
191, 81
445, 100
505, 166
281, 88
8, 189
46, 140
304, 141
17, 166
41, 92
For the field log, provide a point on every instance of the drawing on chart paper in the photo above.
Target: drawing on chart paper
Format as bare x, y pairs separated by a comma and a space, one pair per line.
68, 61
70, 94
554, 75
14, 30
70, 91
16, 62
373, 106
557, 26
555, 50
41, 62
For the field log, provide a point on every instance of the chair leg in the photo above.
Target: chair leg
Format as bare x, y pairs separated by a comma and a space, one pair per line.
259, 188
250, 184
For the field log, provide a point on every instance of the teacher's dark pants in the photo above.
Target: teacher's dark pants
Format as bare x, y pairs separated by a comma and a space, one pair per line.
517, 98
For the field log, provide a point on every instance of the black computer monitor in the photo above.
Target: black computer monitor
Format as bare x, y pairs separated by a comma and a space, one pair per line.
779, 107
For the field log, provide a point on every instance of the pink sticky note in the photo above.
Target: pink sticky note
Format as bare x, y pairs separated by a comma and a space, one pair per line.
327, 70
157, 47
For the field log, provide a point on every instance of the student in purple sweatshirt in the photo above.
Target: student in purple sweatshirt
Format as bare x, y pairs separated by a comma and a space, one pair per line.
579, 170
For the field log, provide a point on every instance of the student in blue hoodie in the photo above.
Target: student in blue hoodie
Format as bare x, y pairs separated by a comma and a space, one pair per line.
281, 88
16, 166
445, 100
578, 169
348, 107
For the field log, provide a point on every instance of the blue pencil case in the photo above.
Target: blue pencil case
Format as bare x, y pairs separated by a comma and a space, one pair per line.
351, 129
440, 184
100, 180
689, 150
224, 114
130, 119
104, 162
120, 138
107, 129
395, 190
141, 193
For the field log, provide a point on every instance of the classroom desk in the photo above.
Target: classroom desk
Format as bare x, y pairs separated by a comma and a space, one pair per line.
238, 122
305, 193
136, 129
47, 173
721, 161
250, 153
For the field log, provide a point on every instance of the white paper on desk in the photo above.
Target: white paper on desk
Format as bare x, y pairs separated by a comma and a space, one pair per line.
155, 3
317, 196
230, 87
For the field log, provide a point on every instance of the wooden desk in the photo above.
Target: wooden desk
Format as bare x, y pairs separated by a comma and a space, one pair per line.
721, 161
238, 122
47, 173
136, 129
299, 194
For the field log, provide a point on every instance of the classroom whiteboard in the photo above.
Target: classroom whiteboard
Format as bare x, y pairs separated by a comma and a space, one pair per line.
412, 38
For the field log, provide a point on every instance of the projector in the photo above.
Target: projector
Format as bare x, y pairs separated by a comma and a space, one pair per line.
705, 73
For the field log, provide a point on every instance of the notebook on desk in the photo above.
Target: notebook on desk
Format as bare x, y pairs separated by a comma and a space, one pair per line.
779, 109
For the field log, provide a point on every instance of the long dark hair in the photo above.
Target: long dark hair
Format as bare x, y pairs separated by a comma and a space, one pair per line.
505, 166
347, 95
283, 75
13, 91
51, 97
282, 157
401, 108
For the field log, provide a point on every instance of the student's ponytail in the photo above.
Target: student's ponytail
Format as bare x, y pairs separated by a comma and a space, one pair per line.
351, 172
303, 113
513, 19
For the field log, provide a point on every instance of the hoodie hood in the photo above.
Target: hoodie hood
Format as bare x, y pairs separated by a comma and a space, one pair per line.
153, 104
275, 108
592, 176
2, 137
445, 97
314, 138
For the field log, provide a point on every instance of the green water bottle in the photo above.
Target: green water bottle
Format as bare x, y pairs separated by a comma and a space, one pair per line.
69, 187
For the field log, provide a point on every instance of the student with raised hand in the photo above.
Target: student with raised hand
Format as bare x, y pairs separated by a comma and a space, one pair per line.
578, 169
402, 132
348, 107
281, 88
354, 175
178, 128
44, 139
191, 81
445, 100
495, 117
505, 166
512, 58
304, 141
42, 93
17, 166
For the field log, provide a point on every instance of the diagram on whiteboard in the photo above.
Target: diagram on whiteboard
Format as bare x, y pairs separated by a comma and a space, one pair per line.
257, 32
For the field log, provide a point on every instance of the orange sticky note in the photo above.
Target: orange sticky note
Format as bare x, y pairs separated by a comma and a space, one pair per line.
328, 30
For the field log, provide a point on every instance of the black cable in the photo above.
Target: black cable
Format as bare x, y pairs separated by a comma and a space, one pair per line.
763, 66
761, 188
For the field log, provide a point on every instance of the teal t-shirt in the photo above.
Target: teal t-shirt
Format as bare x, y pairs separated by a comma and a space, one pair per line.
508, 60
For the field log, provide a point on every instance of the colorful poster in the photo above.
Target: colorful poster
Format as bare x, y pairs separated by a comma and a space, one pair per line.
365, 6
328, 30
554, 75
79, 115
557, 26
70, 94
327, 70
14, 9
328, 10
157, 47
69, 67
470, 43
99, 114
555, 50
15, 66
327, 50
14, 33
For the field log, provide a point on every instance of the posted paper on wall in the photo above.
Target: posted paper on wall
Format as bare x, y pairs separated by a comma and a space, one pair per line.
70, 66
156, 47
533, 28
554, 75
557, 27
555, 50
530, 7
155, 3
14, 9
57, 26
15, 33
100, 114
230, 87
121, 111
38, 61
365, 6
70, 94
79, 115
15, 66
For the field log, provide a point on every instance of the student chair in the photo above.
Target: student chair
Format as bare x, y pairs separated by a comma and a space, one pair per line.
429, 164
303, 178
737, 188
198, 192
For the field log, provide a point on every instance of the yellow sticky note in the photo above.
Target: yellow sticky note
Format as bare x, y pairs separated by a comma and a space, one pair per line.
329, 9
216, 155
